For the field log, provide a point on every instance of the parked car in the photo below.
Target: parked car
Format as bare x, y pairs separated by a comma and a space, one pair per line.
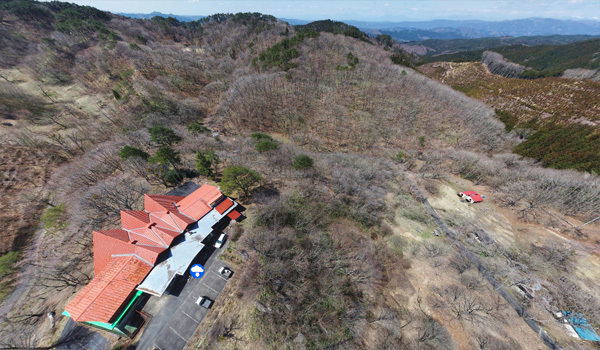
220, 241
205, 302
225, 272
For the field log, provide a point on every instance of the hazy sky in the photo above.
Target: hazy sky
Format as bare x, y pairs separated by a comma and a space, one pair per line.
365, 10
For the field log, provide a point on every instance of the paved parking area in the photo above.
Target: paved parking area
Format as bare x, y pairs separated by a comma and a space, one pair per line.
188, 316
176, 317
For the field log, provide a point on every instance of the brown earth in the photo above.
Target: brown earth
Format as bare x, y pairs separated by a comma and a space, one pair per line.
24, 171
556, 98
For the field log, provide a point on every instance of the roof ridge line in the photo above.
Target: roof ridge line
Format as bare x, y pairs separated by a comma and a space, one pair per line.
165, 221
157, 235
134, 255
175, 221
189, 217
135, 233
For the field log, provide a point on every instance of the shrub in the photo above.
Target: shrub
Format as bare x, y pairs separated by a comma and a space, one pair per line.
280, 54
266, 145
197, 127
7, 261
166, 155
302, 162
507, 118
174, 177
206, 163
128, 152
258, 136
400, 156
401, 59
564, 146
352, 62
141, 39
134, 46
238, 178
164, 136
54, 216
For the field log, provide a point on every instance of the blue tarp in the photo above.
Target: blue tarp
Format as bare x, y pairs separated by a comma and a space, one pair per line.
582, 326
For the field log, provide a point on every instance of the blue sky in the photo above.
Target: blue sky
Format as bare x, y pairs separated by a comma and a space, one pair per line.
365, 10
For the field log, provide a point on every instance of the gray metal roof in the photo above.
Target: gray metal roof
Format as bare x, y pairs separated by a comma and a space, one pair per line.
181, 254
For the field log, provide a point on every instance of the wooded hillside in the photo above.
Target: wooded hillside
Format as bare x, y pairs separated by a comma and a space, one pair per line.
339, 144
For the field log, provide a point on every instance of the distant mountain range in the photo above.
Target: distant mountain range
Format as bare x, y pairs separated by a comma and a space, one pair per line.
154, 14
449, 29
406, 31
433, 47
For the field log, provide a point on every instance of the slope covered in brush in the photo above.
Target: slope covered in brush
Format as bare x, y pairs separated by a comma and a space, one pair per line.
543, 60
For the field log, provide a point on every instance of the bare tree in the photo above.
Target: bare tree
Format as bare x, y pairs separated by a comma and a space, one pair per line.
104, 201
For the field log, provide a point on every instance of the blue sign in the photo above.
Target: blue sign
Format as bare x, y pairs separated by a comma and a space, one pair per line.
197, 271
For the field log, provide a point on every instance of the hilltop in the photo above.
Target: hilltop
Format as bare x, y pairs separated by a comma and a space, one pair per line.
354, 236
538, 60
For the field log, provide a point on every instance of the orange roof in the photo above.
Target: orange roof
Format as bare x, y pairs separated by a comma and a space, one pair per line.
171, 220
226, 204
197, 210
120, 242
107, 243
206, 193
123, 257
150, 254
165, 234
234, 215
155, 202
107, 293
134, 219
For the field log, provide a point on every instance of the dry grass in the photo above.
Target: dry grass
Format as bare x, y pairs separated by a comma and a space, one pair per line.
561, 100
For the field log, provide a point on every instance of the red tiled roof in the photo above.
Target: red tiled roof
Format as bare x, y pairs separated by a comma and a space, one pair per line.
197, 210
155, 202
134, 218
107, 243
171, 220
120, 242
165, 234
146, 236
123, 257
224, 205
206, 193
107, 293
150, 254
234, 215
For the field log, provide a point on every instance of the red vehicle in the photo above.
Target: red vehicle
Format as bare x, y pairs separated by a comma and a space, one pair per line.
471, 196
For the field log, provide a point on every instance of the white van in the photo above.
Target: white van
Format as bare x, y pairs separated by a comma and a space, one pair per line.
220, 241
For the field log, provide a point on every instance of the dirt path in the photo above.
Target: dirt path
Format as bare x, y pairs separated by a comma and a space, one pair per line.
475, 261
22, 286
23, 281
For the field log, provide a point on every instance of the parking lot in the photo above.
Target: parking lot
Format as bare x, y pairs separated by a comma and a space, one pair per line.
176, 316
